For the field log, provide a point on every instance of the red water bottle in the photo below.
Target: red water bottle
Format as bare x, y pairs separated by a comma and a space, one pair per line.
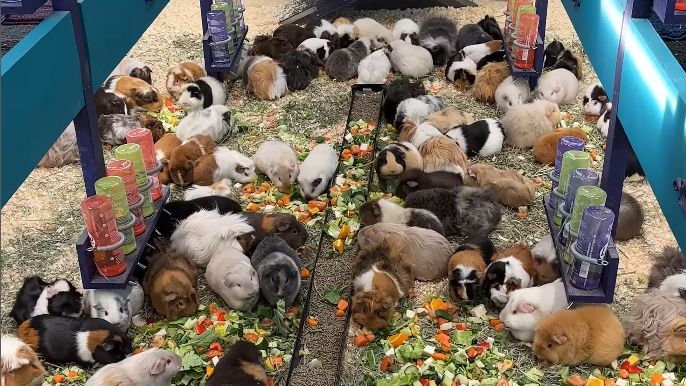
143, 137
525, 45
106, 240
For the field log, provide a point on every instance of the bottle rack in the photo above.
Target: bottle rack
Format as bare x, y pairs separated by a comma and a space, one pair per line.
211, 68
533, 74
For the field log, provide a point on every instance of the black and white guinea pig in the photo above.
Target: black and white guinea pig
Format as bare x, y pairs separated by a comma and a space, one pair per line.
38, 297
135, 68
322, 48
603, 123
407, 30
491, 27
300, 67
396, 158
510, 269
595, 99
174, 212
467, 267
324, 29
317, 171
416, 109
346, 33
397, 91
438, 34
552, 51
634, 170
412, 180
571, 62
62, 339
292, 33
110, 102
484, 137
477, 52
202, 94
461, 70
342, 64
471, 34
386, 211
494, 57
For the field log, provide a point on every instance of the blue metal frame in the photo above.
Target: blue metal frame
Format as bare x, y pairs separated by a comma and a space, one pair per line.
23, 7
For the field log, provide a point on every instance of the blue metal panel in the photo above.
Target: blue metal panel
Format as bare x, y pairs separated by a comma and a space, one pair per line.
42, 92
112, 28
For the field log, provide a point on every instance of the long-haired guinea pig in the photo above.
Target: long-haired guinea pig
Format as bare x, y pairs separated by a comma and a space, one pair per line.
64, 151
20, 364
382, 274
588, 334
278, 161
426, 249
545, 147
461, 71
371, 29
438, 34
630, 219
292, 33
114, 127
184, 156
135, 68
571, 62
342, 63
443, 154
527, 306
487, 81
174, 212
374, 68
265, 78
523, 124
417, 133
463, 211
491, 27
416, 109
110, 102
552, 51
171, 283
300, 68
346, 31
397, 91
323, 29
282, 225
181, 74
317, 171
467, 267
412, 180
511, 93
507, 187
670, 262
38, 297
409, 59
386, 211
213, 121
559, 86
201, 94
64, 339
138, 93
510, 269
322, 48
115, 306
484, 137
241, 365
274, 47
278, 270
407, 30
395, 159
448, 118
658, 325
231, 275
163, 151
152, 367
471, 34
595, 99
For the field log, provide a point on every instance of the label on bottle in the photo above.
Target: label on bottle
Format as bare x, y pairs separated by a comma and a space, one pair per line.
583, 270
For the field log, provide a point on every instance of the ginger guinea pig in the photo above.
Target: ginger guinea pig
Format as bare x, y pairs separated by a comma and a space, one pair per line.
171, 282
183, 158
545, 147
137, 91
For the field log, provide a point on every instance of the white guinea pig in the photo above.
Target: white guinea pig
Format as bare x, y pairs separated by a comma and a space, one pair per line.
559, 86
527, 306
214, 121
152, 367
232, 277
374, 68
115, 306
279, 162
409, 59
511, 93
317, 171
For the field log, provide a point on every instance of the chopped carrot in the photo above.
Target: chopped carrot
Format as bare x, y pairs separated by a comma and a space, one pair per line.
345, 188
249, 188
522, 215
312, 322
440, 356
656, 380
304, 273
353, 131
321, 205
328, 137
207, 322
610, 382
340, 313
370, 336
253, 207
209, 371
251, 337
138, 350
355, 149
420, 363
398, 339
436, 303
441, 337
494, 322
338, 245
623, 373
575, 381
334, 201
499, 327
386, 362
342, 304
58, 378
361, 340
265, 185
461, 327
303, 216
286, 199
594, 154
277, 361
72, 374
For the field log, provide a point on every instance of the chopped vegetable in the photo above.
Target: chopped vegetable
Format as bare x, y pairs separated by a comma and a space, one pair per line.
338, 245
385, 363
312, 322
575, 381
340, 313
304, 273
209, 371
398, 339
253, 207
342, 305
494, 322
58, 378
595, 382
361, 340
440, 356
656, 380
72, 374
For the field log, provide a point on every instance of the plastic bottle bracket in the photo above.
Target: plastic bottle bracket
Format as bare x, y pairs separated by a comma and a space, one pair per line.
106, 248
552, 176
560, 196
140, 202
129, 224
147, 186
578, 255
562, 207
158, 168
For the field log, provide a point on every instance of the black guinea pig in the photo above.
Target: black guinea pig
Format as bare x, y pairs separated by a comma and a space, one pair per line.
471, 34
413, 180
570, 62
241, 365
552, 51
300, 68
274, 47
175, 211
293, 33
491, 27
283, 225
398, 91
110, 102
144, 73
38, 297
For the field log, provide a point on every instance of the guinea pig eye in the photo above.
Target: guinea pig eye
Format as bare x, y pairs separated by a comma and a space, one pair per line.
168, 361
107, 313
180, 303
550, 345
294, 230
121, 310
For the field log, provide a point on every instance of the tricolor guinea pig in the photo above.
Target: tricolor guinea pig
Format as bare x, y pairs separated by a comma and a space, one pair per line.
135, 68
265, 78
440, 153
477, 52
386, 211
163, 151
201, 94
242, 364
38, 297
184, 156
448, 118
412, 180
510, 269
181, 74
396, 158
171, 283
137, 91
461, 70
484, 137
467, 267
438, 34
283, 225
274, 47
110, 102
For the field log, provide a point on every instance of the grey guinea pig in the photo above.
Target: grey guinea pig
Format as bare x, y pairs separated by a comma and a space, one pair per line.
412, 180
463, 211
110, 102
630, 218
114, 127
282, 225
438, 34
471, 34
278, 270
342, 63
317, 170
396, 158
386, 211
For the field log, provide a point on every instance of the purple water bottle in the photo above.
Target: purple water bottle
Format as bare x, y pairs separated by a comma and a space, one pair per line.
564, 145
591, 246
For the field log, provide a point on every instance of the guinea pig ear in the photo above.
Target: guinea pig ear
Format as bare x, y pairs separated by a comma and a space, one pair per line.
682, 293
557, 89
168, 297
559, 339
107, 346
158, 367
679, 328
282, 226
188, 164
240, 168
526, 308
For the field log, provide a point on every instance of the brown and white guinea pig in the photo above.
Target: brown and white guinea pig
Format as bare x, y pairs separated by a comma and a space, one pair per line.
64, 151
285, 226
484, 137
322, 48
273, 47
507, 187
342, 64
20, 364
278, 161
382, 275
386, 211
135, 68
181, 74
487, 81
588, 334
571, 62
658, 325
293, 34
467, 267
138, 93
545, 261
443, 154
510, 269
263, 76
184, 156
368, 28
545, 147
523, 124
417, 133
241, 365
426, 249
477, 52
163, 151
461, 71
223, 163
412, 180
631, 218
152, 367
63, 339
448, 118
201, 94
110, 102
396, 158
171, 282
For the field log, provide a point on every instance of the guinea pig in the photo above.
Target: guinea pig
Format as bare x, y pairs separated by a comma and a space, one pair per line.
559, 86
657, 323
231, 275
407, 30
595, 99
471, 34
467, 267
463, 211
397, 91
443, 154
221, 188
416, 109
152, 367
273, 47
242, 364
278, 270
323, 29
171, 283
448, 118
412, 180
552, 51
484, 137
163, 151
670, 262
374, 68
37, 297
279, 162
223, 163
511, 93
507, 187
527, 306
110, 102
64, 339
174, 212
134, 68
488, 79
438, 34
396, 158
184, 156
317, 171
27, 297
346, 32
371, 29
385, 211
409, 59
492, 58
588, 334
523, 124
571, 62
461, 71
114, 127
201, 94
509, 270
603, 123
292, 33
20, 364
115, 306
382, 274
674, 286
282, 225
300, 68
477, 52
64, 151
342, 63
545, 147
322, 48
545, 261
417, 133
138, 93
265, 78
181, 74
491, 27
424, 248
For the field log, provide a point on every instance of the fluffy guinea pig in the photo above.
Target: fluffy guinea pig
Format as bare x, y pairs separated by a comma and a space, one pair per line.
230, 274
324, 29
449, 117
523, 124
64, 151
511, 93
570, 62
115, 306
374, 68
283, 225
174, 212
471, 34
278, 269
482, 53
441, 153
184, 156
488, 79
396, 158
545, 147
527, 306
300, 68
397, 91
407, 30
278, 161
138, 93
507, 187
292, 33
38, 297
20, 364
484, 137
171, 283
375, 32
274, 47
467, 267
317, 171
213, 121
110, 102
559, 86
461, 71
163, 151
181, 74
386, 211
409, 59
417, 133
242, 364
552, 51
658, 325
346, 32
588, 334
221, 188
342, 64
491, 27
265, 78
412, 180
152, 367
322, 48
510, 269
201, 94
438, 34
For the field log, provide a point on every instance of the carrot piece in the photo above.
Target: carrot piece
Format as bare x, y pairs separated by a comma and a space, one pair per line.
340, 313
286, 199
312, 322
138, 350
623, 373
575, 381
398, 339
461, 327
72, 374
345, 188
304, 273
342, 305
249, 188
253, 207
353, 131
58, 378
471, 352
279, 203
251, 337
436, 303
386, 362
277, 361
440, 356
361, 340
494, 322
334, 201
321, 205
499, 327
355, 149
209, 371
522, 215
303, 216
656, 379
